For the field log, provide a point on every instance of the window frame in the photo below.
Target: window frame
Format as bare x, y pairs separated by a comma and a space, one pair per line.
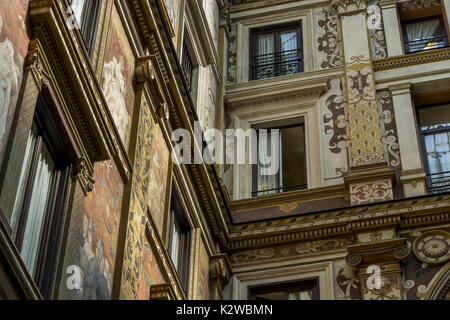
286, 288
276, 30
89, 24
422, 19
52, 225
255, 192
423, 147
178, 217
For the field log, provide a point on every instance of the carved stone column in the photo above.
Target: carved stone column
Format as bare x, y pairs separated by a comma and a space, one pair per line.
370, 178
392, 28
379, 259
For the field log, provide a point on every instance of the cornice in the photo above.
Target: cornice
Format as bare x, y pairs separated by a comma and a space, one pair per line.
288, 197
403, 214
275, 90
412, 59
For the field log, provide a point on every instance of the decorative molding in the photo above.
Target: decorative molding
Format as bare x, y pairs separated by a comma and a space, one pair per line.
432, 247
84, 176
162, 291
349, 6
379, 252
412, 59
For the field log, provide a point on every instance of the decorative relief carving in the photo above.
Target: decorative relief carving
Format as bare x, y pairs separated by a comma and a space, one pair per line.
371, 192
433, 247
389, 128
81, 172
328, 45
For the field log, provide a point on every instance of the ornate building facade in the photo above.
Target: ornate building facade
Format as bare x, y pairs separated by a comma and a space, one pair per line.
94, 205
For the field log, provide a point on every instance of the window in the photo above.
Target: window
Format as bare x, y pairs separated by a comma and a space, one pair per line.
290, 158
86, 15
276, 51
304, 290
179, 237
187, 66
424, 34
434, 124
38, 205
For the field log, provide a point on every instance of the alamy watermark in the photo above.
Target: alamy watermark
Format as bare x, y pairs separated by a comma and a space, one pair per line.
236, 146
374, 282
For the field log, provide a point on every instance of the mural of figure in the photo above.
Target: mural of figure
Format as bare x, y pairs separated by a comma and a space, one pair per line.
114, 91
9, 82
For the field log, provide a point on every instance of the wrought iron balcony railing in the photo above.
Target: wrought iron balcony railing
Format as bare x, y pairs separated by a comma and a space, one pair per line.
426, 44
278, 190
438, 182
277, 64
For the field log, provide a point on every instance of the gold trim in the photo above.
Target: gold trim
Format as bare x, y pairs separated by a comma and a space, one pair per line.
412, 59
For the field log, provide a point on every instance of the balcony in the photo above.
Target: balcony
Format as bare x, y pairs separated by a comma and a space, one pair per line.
277, 64
438, 182
430, 43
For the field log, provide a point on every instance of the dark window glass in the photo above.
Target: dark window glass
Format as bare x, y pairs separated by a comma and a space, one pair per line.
37, 208
434, 123
424, 34
179, 237
304, 290
86, 14
187, 66
290, 156
276, 51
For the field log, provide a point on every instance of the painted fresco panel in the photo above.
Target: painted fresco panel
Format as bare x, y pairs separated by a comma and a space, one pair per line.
159, 169
203, 274
93, 251
13, 48
118, 78
150, 274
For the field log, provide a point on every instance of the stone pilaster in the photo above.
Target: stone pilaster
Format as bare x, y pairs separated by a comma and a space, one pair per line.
392, 27
379, 260
369, 178
413, 174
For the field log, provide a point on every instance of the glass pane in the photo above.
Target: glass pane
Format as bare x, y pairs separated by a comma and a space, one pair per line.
268, 164
18, 203
266, 44
175, 245
293, 158
38, 206
288, 41
435, 117
78, 8
425, 35
438, 154
290, 63
302, 295
265, 57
